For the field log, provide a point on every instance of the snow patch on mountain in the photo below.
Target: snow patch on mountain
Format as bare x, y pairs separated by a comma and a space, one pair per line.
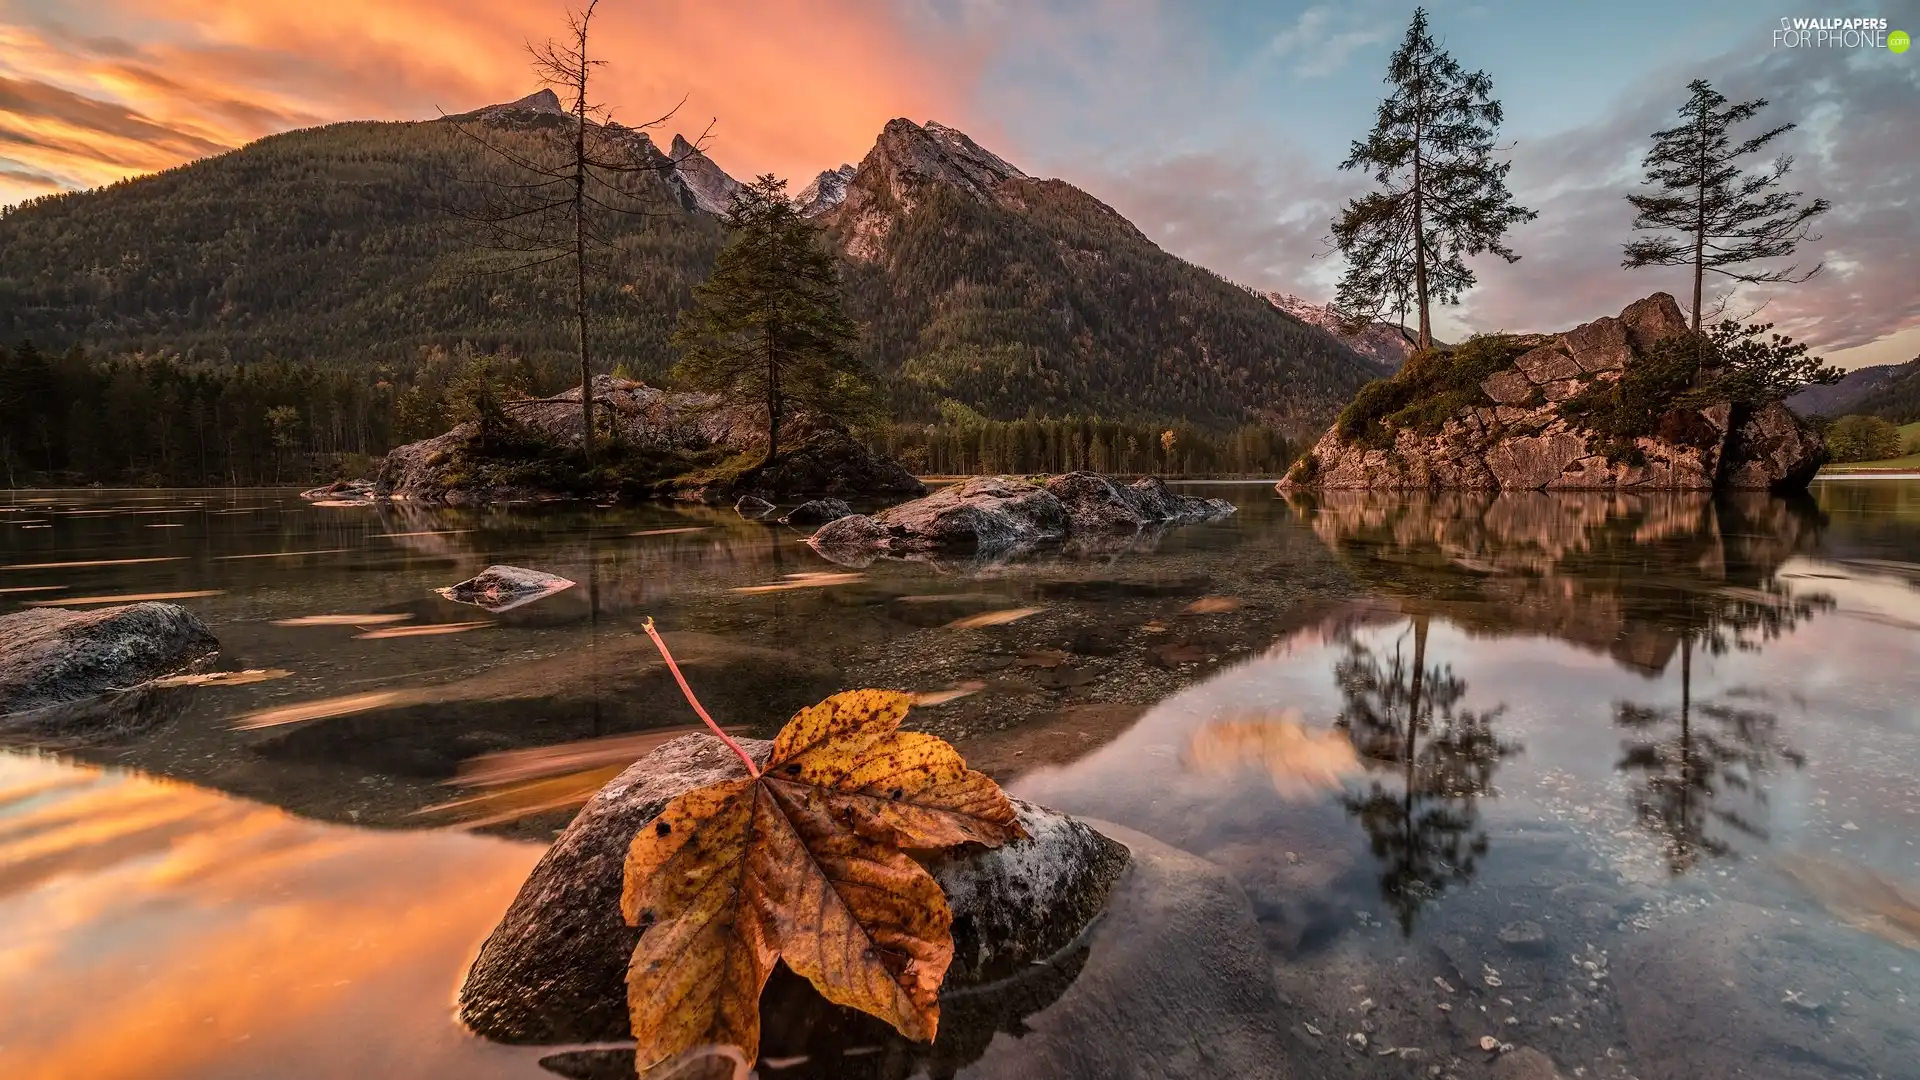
1382, 342
827, 191
707, 184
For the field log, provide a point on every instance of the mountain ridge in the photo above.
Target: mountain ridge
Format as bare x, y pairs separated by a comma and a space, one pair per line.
982, 288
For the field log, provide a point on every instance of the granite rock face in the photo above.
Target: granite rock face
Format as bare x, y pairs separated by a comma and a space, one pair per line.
50, 656
554, 970
1516, 437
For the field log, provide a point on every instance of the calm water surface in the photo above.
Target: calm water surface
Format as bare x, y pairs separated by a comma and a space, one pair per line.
1627, 781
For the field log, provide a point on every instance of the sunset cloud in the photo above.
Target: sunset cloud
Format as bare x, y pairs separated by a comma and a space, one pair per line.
790, 88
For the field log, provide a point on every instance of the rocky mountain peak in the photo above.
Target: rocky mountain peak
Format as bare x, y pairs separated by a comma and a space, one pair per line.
827, 191
537, 106
908, 156
542, 100
906, 161
706, 184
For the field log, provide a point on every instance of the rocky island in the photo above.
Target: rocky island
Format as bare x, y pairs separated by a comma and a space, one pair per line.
1579, 410
649, 443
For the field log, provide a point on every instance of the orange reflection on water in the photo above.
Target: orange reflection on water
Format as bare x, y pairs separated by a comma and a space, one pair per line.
156, 929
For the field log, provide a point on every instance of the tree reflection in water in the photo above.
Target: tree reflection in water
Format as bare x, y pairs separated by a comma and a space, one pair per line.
1429, 763
1700, 769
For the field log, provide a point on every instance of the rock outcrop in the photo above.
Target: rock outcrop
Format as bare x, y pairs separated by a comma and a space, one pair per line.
1517, 436
554, 970
51, 657
990, 513
646, 422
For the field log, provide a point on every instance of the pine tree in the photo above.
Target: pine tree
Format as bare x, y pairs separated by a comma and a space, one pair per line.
561, 208
768, 326
1705, 210
1442, 195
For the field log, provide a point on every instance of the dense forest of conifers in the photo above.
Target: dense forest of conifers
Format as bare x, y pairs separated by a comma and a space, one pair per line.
77, 418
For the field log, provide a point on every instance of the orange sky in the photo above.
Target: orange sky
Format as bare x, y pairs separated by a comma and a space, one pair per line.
792, 88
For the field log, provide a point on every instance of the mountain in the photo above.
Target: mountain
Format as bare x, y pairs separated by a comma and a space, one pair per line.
985, 287
1384, 343
982, 289
1847, 395
340, 245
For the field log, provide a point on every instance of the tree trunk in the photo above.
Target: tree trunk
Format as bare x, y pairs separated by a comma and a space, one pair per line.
580, 253
1419, 227
773, 402
1700, 235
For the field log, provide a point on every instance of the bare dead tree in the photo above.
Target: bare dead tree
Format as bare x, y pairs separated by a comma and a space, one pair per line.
574, 179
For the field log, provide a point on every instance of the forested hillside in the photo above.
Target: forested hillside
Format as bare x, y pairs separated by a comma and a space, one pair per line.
336, 244
1896, 399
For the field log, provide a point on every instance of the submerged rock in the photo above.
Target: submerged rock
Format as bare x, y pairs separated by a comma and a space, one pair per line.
1512, 434
353, 491
503, 588
50, 656
554, 969
1741, 991
993, 513
817, 512
752, 506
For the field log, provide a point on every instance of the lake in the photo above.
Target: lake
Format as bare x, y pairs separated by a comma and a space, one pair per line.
1624, 781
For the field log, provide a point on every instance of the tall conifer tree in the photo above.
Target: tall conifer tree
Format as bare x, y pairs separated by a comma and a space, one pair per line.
768, 326
1442, 195
1705, 211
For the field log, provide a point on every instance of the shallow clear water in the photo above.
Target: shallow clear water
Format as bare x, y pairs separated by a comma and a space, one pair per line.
1627, 781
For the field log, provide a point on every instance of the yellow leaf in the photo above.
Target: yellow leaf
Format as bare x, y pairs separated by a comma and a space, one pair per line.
807, 862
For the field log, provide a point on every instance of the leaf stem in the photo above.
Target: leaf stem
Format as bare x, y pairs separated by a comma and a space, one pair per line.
661, 644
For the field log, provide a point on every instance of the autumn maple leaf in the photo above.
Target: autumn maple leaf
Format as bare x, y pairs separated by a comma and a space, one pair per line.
810, 861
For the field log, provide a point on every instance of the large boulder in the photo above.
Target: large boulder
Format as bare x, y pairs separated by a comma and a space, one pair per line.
1512, 434
1773, 450
554, 969
1095, 502
50, 656
1172, 982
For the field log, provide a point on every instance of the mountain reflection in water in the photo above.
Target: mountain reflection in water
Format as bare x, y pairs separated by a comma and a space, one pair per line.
158, 929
